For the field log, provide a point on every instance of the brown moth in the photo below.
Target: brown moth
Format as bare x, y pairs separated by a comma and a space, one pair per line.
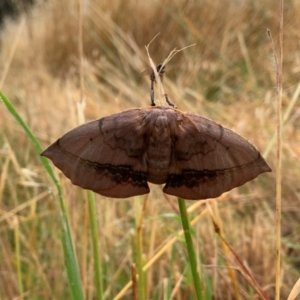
117, 155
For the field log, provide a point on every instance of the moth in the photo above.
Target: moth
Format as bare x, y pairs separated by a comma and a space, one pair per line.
116, 156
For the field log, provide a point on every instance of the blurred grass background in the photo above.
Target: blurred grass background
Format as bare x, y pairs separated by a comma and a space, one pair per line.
229, 76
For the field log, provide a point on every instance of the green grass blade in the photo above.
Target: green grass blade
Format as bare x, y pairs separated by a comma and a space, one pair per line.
138, 251
190, 248
96, 245
68, 248
18, 257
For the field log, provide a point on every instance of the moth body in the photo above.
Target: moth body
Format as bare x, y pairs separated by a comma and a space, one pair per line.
159, 151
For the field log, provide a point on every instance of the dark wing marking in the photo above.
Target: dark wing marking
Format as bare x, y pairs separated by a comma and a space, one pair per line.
105, 155
210, 160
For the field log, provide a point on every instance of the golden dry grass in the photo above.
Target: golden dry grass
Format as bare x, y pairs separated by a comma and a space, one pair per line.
228, 77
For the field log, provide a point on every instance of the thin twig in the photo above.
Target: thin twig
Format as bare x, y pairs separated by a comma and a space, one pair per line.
213, 209
81, 102
153, 66
279, 155
80, 51
174, 52
279, 147
245, 270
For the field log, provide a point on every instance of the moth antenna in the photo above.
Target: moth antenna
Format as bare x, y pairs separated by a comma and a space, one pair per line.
160, 70
169, 102
152, 90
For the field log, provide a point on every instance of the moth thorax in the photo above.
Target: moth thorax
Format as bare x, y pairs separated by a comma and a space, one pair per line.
159, 151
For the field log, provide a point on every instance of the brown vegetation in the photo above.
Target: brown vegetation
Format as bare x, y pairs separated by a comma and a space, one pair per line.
228, 77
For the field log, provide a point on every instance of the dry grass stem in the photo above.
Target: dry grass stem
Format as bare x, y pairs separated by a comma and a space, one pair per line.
153, 66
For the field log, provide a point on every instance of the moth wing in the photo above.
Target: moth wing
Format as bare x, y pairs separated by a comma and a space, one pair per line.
210, 160
104, 155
